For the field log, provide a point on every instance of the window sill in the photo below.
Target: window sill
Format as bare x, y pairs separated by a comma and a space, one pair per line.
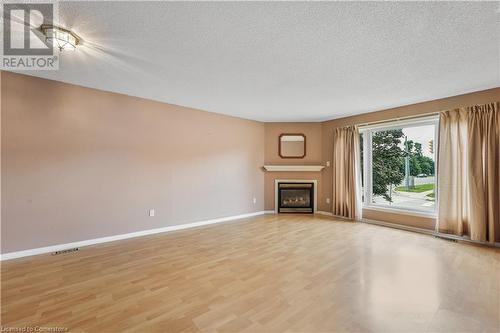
401, 211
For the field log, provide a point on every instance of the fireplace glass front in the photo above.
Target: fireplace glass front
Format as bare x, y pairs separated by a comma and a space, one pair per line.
295, 198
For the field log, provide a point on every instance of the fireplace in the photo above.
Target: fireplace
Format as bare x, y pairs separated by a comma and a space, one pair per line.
295, 197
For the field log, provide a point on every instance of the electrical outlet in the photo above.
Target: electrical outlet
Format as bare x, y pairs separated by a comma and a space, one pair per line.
327, 163
254, 201
151, 212
327, 200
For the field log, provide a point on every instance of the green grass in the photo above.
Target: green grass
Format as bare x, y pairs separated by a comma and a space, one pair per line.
416, 188
431, 195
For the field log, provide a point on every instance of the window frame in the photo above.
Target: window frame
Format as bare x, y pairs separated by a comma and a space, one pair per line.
367, 132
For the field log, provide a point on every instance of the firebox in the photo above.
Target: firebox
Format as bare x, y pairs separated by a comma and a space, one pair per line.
296, 197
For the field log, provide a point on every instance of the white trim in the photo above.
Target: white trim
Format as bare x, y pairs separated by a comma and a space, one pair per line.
276, 181
293, 167
388, 124
318, 212
59, 247
368, 162
338, 217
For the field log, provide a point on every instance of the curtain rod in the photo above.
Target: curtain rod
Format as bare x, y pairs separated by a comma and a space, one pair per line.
398, 118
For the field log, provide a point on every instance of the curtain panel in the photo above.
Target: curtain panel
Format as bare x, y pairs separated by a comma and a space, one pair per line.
346, 198
469, 172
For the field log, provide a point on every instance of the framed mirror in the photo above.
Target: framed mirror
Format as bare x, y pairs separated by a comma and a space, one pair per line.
292, 145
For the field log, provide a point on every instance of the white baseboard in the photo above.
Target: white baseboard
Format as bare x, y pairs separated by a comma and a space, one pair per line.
338, 217
60, 247
320, 212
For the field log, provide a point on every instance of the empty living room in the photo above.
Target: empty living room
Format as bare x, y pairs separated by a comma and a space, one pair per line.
250, 166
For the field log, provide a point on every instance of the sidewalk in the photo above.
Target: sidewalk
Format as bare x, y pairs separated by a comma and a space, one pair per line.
409, 199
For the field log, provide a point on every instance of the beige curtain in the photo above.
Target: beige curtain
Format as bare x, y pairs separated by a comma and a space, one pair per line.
484, 171
469, 172
453, 210
346, 173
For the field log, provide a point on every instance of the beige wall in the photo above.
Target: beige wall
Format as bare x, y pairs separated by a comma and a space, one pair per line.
80, 163
404, 111
312, 131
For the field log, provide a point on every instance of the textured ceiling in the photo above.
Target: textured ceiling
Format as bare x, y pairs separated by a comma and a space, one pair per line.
283, 61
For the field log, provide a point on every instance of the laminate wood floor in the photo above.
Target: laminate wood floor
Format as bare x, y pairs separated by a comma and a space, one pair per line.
293, 273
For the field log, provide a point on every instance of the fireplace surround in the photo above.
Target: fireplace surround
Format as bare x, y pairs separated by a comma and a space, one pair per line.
295, 196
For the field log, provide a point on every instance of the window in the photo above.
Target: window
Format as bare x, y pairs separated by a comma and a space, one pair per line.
399, 165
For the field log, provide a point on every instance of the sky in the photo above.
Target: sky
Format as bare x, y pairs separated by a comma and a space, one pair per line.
421, 134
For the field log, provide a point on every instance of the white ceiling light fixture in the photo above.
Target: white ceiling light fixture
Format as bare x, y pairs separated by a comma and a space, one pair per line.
64, 39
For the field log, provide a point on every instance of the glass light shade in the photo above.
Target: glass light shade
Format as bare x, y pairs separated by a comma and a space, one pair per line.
61, 38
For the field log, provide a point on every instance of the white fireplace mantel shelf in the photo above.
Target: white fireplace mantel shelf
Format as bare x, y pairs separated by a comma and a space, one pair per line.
293, 167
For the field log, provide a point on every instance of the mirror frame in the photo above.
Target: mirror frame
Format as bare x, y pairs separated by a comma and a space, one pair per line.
279, 145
